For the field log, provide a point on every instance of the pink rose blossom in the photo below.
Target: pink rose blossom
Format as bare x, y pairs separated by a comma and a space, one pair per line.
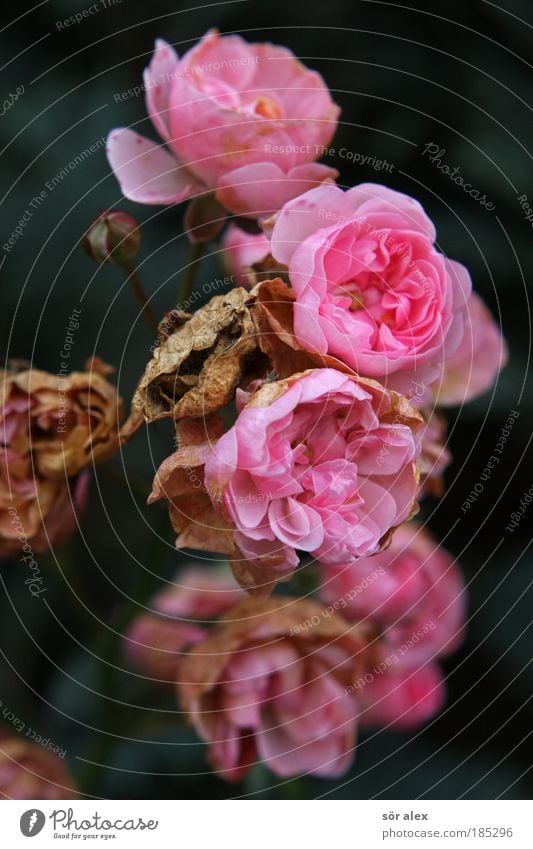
402, 699
155, 642
240, 250
245, 120
474, 366
263, 686
371, 289
413, 592
322, 462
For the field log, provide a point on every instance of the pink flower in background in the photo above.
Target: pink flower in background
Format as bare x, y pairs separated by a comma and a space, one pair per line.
474, 366
245, 120
413, 592
240, 250
28, 771
323, 462
155, 642
370, 286
264, 686
403, 699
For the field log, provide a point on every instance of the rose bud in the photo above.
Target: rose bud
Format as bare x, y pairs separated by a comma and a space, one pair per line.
28, 771
114, 237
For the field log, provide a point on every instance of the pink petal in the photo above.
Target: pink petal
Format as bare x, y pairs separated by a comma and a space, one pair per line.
147, 173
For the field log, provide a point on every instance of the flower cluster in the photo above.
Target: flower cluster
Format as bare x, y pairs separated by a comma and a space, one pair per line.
306, 402
307, 407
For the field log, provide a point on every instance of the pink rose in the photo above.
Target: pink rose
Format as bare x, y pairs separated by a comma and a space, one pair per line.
245, 120
474, 366
323, 462
27, 771
267, 684
155, 642
403, 699
413, 593
371, 289
240, 250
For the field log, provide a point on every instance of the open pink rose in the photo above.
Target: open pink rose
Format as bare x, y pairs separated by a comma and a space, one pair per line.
371, 289
156, 641
323, 462
413, 593
27, 771
474, 366
245, 120
240, 250
403, 699
267, 684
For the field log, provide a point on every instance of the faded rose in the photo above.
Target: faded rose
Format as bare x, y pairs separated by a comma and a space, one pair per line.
370, 286
323, 462
67, 423
244, 120
265, 685
27, 771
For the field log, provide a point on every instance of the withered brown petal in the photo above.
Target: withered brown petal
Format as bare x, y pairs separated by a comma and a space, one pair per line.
198, 366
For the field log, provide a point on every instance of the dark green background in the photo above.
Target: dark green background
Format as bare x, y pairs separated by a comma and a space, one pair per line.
404, 77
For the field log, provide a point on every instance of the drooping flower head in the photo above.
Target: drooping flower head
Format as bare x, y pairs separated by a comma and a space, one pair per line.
273, 682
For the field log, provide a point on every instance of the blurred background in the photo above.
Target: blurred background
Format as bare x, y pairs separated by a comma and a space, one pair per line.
405, 77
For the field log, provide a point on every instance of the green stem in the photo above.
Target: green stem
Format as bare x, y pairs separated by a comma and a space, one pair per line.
133, 278
195, 254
